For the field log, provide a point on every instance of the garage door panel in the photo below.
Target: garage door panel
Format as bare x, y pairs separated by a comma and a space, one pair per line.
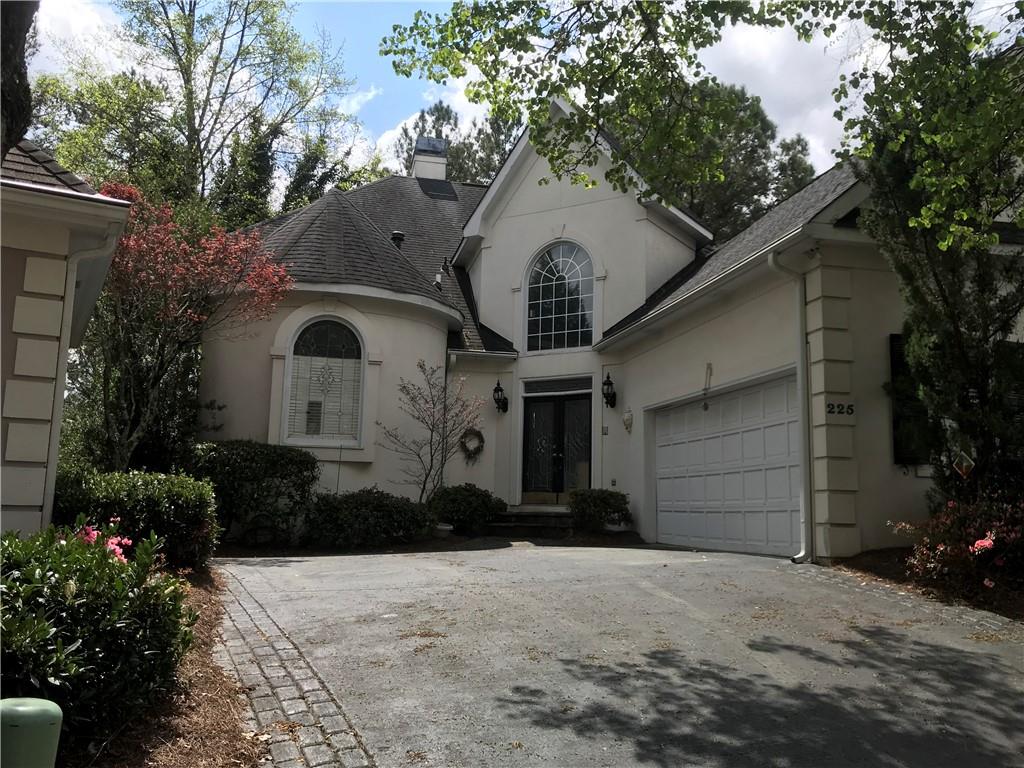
753, 485
732, 449
777, 487
776, 441
753, 445
734, 471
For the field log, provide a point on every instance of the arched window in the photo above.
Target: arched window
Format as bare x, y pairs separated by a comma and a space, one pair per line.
326, 382
560, 299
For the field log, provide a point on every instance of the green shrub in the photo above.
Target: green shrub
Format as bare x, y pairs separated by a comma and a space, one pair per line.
263, 491
100, 636
178, 509
594, 508
969, 548
469, 509
366, 518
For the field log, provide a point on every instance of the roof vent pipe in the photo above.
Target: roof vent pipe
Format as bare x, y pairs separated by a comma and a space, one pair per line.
398, 237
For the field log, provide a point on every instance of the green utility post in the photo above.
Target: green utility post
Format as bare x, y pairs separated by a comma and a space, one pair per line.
29, 733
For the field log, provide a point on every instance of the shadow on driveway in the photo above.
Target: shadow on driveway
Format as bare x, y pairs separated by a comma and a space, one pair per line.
673, 710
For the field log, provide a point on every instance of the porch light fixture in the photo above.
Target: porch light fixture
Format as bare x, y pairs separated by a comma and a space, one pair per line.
499, 398
608, 391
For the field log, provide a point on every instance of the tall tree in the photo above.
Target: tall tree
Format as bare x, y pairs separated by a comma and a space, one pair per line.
16, 19
629, 67
938, 131
793, 170
475, 153
228, 63
240, 193
112, 128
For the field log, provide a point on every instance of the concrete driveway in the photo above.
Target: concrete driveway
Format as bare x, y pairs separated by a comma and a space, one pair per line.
561, 656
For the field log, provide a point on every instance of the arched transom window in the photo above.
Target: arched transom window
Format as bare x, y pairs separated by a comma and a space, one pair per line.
326, 382
560, 300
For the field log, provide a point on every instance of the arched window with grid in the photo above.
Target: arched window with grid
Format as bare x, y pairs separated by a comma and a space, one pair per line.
326, 383
560, 299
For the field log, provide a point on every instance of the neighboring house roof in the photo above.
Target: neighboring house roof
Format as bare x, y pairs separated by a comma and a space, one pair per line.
792, 213
431, 214
26, 162
333, 241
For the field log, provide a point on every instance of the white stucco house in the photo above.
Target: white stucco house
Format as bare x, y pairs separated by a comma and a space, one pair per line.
58, 235
749, 410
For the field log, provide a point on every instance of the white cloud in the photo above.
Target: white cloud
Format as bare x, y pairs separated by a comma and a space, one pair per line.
453, 94
70, 30
793, 79
353, 102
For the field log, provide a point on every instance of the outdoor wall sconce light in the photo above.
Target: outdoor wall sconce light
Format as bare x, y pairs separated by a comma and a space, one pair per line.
608, 390
499, 398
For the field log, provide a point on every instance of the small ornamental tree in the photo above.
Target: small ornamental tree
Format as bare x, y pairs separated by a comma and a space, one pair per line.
442, 412
168, 287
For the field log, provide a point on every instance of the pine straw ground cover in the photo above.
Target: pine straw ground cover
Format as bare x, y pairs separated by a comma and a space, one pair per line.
201, 725
889, 566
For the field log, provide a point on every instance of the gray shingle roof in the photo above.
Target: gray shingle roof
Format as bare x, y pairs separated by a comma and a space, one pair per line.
27, 162
793, 212
431, 213
332, 241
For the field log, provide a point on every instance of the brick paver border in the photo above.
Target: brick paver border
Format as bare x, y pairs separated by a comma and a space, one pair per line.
286, 699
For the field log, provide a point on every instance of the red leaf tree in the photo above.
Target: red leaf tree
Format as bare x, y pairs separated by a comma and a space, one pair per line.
168, 287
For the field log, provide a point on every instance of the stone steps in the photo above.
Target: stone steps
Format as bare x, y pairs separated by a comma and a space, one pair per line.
532, 521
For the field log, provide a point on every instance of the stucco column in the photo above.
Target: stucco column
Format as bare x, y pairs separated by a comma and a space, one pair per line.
833, 413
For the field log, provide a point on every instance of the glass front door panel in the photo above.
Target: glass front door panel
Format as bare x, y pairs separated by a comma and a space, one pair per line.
576, 445
539, 455
556, 449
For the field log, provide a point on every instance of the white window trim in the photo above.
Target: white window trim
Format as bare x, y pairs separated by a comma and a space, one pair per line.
307, 441
598, 275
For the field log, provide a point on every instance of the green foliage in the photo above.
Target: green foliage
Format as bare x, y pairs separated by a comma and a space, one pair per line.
594, 508
112, 128
941, 133
630, 68
475, 154
467, 508
366, 518
753, 176
240, 193
100, 637
263, 491
970, 548
178, 509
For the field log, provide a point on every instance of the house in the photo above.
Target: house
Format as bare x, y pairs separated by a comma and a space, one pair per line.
58, 235
735, 391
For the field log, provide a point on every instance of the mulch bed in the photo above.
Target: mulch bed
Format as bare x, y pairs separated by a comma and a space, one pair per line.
201, 725
890, 566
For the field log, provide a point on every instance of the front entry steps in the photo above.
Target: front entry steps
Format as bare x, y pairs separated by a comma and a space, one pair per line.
533, 520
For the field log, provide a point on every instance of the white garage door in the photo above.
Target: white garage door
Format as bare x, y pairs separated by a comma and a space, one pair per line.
729, 476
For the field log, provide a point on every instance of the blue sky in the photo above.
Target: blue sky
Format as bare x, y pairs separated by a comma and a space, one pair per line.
360, 27
793, 79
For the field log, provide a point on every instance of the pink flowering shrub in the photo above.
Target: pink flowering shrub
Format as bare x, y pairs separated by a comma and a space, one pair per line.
970, 548
178, 509
90, 621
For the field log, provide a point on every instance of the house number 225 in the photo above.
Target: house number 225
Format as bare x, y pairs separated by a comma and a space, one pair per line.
840, 409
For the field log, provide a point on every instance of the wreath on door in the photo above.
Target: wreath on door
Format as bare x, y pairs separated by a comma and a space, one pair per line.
471, 444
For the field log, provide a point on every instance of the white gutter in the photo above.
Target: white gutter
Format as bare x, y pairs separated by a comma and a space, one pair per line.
701, 290
806, 507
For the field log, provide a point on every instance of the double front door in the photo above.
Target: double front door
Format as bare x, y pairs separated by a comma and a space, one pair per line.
556, 448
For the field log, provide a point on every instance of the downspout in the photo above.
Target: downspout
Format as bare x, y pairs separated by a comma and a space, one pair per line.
806, 552
105, 250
